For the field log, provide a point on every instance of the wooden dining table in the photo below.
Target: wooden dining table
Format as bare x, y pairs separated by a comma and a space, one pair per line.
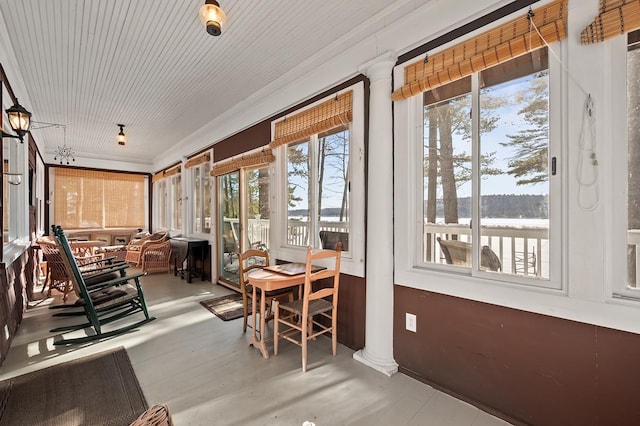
266, 280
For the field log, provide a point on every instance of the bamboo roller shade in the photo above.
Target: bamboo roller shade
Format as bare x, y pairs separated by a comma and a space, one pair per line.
334, 112
257, 159
616, 17
505, 42
174, 170
198, 159
117, 198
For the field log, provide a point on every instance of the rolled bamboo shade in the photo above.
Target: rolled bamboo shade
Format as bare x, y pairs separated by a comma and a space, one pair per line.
505, 42
198, 159
172, 171
168, 172
257, 159
334, 112
616, 17
95, 199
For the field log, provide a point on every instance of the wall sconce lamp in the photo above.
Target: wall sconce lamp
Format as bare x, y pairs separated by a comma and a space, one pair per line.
213, 17
13, 178
122, 139
19, 120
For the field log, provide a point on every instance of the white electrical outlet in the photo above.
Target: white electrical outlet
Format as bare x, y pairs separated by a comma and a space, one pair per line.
411, 322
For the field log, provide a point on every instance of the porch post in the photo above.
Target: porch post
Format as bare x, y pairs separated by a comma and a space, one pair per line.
378, 350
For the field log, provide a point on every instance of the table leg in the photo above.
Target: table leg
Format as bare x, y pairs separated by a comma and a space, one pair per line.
188, 265
259, 344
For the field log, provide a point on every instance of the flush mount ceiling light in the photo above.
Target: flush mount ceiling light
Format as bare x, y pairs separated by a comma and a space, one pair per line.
212, 17
122, 139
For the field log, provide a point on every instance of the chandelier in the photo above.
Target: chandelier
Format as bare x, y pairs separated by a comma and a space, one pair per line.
61, 153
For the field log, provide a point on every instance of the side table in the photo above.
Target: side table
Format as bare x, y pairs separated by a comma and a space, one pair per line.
186, 249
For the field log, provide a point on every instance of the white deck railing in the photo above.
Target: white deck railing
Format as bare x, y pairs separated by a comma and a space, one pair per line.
521, 250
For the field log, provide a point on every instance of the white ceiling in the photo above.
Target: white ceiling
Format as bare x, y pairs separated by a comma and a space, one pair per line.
150, 64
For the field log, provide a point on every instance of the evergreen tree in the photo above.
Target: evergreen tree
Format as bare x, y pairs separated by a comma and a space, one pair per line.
529, 164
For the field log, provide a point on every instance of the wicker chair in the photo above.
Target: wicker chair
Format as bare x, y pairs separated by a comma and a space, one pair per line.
156, 257
156, 415
57, 277
136, 248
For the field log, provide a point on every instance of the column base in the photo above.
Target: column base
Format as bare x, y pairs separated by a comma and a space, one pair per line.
389, 367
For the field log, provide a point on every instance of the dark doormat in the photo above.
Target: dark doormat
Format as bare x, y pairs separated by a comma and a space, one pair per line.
99, 389
227, 307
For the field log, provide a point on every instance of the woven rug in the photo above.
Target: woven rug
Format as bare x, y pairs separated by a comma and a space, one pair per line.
100, 389
227, 307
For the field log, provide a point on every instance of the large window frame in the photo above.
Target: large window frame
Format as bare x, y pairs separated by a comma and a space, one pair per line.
352, 260
624, 252
168, 211
200, 200
517, 264
409, 192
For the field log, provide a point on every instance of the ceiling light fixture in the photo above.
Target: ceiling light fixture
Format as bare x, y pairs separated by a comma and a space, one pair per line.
122, 138
61, 153
19, 120
212, 17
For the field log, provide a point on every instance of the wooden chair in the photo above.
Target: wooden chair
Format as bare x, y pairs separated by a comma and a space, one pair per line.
136, 248
459, 253
156, 257
124, 299
298, 317
248, 261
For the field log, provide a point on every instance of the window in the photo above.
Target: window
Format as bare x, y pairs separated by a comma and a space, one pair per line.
318, 180
96, 199
161, 203
176, 191
633, 165
243, 209
167, 190
322, 207
201, 198
485, 171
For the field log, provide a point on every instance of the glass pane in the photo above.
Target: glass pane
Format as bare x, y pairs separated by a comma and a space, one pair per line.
206, 198
163, 203
633, 184
229, 196
514, 173
333, 188
177, 202
197, 200
298, 168
447, 174
257, 207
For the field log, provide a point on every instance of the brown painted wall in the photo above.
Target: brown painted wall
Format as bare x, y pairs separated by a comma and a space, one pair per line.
527, 368
351, 311
13, 300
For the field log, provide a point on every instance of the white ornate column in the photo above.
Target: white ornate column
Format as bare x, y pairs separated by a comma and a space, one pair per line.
378, 350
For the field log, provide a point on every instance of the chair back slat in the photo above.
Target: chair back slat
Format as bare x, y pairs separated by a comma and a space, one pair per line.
70, 262
332, 273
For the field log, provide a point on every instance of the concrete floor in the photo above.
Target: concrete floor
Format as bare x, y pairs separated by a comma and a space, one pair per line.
204, 370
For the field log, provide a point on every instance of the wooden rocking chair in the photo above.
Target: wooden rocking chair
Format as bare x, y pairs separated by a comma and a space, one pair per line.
124, 300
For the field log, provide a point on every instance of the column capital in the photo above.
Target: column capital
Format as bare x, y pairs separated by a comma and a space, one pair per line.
379, 67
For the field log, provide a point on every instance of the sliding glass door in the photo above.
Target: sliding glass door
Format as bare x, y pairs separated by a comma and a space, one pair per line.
229, 234
243, 208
